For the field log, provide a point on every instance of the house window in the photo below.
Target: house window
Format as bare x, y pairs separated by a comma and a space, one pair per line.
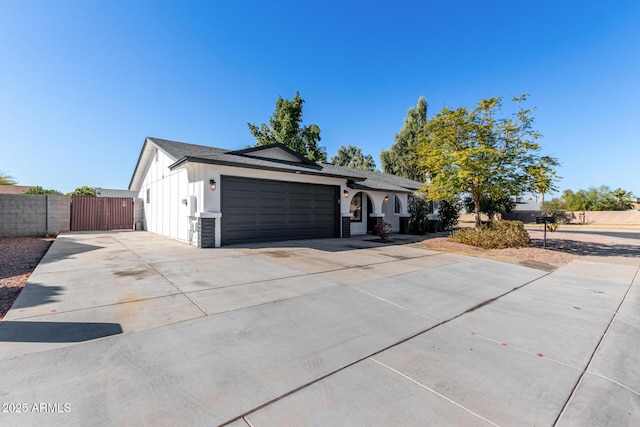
396, 204
356, 208
156, 155
148, 195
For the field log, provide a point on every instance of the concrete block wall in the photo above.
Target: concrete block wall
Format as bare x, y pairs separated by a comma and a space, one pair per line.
584, 217
33, 215
58, 214
138, 214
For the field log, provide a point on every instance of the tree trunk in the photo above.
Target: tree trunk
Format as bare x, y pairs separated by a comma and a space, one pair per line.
476, 201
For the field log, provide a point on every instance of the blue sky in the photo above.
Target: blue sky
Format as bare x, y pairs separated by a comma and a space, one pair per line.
82, 83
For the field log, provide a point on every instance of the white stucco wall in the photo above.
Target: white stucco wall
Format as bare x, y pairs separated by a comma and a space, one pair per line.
176, 196
390, 216
380, 208
165, 213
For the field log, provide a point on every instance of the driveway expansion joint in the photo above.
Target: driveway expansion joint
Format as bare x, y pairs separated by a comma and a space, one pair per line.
595, 350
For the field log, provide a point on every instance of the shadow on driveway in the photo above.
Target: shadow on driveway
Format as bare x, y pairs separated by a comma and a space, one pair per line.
52, 332
36, 294
581, 248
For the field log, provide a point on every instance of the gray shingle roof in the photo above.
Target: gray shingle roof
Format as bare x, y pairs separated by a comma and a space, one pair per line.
381, 181
182, 152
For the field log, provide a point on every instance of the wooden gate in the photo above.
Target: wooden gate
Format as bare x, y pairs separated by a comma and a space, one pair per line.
101, 213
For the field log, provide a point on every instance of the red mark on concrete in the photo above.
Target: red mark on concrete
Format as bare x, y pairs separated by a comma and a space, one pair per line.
504, 344
20, 311
540, 355
53, 311
470, 348
473, 333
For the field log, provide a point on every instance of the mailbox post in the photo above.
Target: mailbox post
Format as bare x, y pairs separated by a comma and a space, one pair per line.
544, 220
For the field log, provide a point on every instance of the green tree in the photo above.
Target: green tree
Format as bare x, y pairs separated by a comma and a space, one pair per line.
491, 204
577, 201
624, 199
39, 190
83, 191
543, 175
597, 199
449, 213
477, 152
352, 157
554, 207
401, 158
285, 128
419, 208
6, 179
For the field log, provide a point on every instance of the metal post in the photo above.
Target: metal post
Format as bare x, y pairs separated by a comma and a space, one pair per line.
545, 234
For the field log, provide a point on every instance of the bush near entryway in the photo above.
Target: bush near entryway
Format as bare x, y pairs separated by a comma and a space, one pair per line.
494, 235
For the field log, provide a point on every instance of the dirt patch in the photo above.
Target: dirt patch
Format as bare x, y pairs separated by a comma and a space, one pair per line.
277, 254
19, 256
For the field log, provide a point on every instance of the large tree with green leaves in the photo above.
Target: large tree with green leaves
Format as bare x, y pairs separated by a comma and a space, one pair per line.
598, 199
6, 179
623, 198
479, 152
543, 175
285, 127
352, 157
83, 191
401, 158
39, 190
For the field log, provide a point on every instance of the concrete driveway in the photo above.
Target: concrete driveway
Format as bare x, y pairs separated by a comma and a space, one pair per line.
128, 328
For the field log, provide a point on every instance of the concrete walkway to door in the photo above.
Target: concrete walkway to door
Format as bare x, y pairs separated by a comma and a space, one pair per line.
130, 328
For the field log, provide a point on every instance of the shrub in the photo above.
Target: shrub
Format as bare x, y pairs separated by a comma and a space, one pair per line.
495, 235
449, 212
383, 230
419, 208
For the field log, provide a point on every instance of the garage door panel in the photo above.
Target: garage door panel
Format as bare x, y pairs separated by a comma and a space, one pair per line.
263, 210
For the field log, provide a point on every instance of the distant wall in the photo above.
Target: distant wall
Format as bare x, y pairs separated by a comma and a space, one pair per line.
33, 215
471, 217
585, 217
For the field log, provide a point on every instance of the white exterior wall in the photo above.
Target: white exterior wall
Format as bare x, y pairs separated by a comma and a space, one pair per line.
380, 208
177, 196
165, 214
390, 216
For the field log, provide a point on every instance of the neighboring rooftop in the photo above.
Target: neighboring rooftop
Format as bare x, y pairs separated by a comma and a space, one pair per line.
14, 189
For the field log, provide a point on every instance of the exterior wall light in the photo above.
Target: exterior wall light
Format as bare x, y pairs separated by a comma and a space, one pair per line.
212, 184
386, 198
345, 193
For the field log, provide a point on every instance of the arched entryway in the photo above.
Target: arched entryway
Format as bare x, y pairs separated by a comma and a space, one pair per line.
361, 207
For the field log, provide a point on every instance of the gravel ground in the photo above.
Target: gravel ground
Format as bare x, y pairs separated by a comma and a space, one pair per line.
19, 256
562, 248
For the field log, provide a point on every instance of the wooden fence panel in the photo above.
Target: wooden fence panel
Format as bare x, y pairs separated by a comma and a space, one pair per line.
101, 213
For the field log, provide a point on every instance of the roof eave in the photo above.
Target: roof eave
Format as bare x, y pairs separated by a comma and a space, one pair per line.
188, 159
135, 169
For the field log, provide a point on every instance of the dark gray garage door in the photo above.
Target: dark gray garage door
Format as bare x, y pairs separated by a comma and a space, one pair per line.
256, 210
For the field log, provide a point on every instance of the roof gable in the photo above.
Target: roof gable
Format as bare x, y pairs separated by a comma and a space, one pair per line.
274, 151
